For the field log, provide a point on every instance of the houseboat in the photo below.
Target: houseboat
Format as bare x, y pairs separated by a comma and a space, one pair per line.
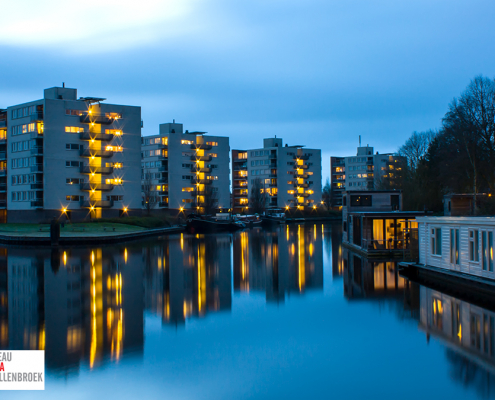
456, 249
374, 224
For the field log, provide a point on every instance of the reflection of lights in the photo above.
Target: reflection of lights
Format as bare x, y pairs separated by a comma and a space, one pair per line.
125, 255
65, 258
182, 241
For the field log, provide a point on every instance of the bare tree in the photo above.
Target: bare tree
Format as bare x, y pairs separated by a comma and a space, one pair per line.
471, 122
327, 194
416, 148
149, 194
257, 197
210, 200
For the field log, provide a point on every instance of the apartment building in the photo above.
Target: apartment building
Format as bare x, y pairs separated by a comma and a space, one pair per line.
77, 157
185, 170
3, 166
364, 171
290, 176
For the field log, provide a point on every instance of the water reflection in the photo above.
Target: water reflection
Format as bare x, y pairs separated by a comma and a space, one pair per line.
282, 261
468, 331
188, 276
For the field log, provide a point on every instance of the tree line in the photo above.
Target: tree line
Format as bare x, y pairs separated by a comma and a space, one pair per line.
457, 158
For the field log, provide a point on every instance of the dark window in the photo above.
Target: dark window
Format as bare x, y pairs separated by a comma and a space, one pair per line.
344, 201
344, 226
395, 201
361, 201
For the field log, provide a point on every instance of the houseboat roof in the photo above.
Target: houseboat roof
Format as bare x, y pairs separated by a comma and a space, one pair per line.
388, 214
458, 220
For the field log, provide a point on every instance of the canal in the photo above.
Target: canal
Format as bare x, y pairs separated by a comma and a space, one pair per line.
258, 314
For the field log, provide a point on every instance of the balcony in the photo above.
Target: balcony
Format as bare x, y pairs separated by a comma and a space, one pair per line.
3, 188
3, 172
36, 135
162, 146
96, 203
3, 123
95, 119
304, 166
37, 203
162, 169
3, 204
3, 155
87, 169
272, 156
273, 184
37, 116
303, 185
86, 152
204, 170
201, 146
201, 158
201, 181
88, 187
272, 175
37, 186
95, 136
37, 168
304, 175
163, 204
37, 151
302, 194
296, 157
163, 180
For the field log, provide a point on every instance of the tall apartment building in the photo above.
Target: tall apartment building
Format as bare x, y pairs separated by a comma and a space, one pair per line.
364, 171
78, 157
290, 175
186, 170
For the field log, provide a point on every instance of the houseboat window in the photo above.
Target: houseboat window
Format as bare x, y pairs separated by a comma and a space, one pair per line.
361, 201
438, 314
474, 252
475, 331
395, 201
436, 241
487, 250
454, 246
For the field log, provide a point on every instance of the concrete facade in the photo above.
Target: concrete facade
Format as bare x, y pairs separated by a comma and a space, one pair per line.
185, 168
289, 175
72, 158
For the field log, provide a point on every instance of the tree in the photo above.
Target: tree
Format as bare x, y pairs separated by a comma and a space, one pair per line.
470, 125
257, 197
149, 194
416, 148
327, 194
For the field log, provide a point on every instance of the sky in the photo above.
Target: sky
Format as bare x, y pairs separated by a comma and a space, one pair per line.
315, 72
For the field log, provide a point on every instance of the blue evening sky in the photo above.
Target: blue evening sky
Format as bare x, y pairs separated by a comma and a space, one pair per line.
314, 72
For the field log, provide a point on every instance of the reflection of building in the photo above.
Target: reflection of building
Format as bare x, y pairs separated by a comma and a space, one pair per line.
469, 333
282, 261
188, 276
4, 300
364, 278
75, 304
335, 238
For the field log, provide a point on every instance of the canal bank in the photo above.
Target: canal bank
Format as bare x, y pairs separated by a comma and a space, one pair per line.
42, 238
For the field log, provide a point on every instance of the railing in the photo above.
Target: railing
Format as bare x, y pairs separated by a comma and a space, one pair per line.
87, 152
95, 118
163, 193
163, 180
87, 169
37, 116
304, 166
296, 157
95, 136
384, 244
272, 175
37, 168
37, 151
3, 172
37, 186
304, 185
201, 158
163, 204
3, 188
96, 203
162, 169
36, 135
96, 186
272, 156
3, 123
205, 170
3, 155
201, 146
3, 203
37, 203
201, 181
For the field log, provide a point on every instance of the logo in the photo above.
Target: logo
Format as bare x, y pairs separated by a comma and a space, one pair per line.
22, 370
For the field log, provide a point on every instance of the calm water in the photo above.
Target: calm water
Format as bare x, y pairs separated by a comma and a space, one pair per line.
258, 314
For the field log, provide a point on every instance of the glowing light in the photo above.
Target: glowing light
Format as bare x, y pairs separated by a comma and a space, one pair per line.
65, 258
125, 209
64, 210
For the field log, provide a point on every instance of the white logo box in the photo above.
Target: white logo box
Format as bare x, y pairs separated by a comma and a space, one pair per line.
22, 370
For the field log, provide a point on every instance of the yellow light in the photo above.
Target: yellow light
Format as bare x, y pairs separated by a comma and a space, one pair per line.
125, 209
92, 208
64, 210
65, 258
90, 111
182, 209
92, 157
314, 206
93, 190
92, 140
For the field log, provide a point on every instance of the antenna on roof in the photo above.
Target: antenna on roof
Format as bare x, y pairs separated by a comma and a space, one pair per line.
359, 140
174, 121
63, 84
